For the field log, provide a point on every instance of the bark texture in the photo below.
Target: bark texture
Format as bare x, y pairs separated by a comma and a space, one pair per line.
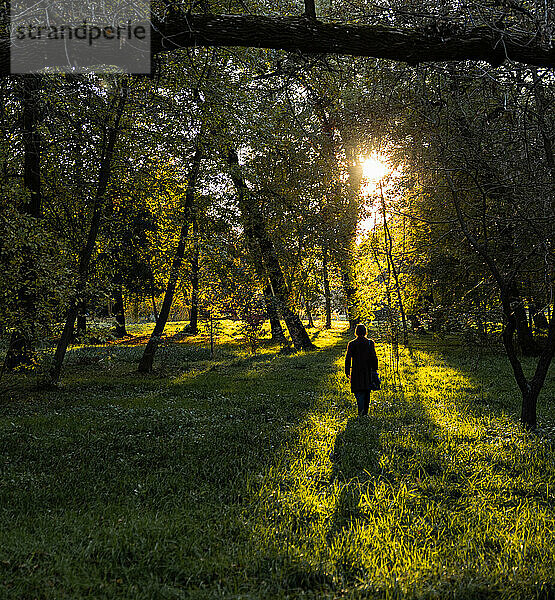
305, 34
311, 36
273, 315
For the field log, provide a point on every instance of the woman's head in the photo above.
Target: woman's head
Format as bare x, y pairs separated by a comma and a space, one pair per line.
360, 330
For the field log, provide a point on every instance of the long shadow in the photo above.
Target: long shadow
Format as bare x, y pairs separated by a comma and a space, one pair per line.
360, 448
490, 387
402, 442
191, 459
243, 396
490, 400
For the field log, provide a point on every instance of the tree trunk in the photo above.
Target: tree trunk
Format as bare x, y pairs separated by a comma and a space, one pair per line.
345, 253
147, 360
118, 311
308, 313
526, 341
273, 315
528, 413
152, 297
350, 291
136, 308
193, 320
87, 251
388, 243
529, 389
327, 295
256, 232
531, 311
21, 350
530, 398
540, 320
282, 294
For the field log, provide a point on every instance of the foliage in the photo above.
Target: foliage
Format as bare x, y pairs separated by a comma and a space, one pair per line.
31, 258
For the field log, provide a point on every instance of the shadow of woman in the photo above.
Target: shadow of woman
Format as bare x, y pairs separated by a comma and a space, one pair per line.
360, 448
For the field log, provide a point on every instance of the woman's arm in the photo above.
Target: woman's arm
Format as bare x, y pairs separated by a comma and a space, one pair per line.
348, 360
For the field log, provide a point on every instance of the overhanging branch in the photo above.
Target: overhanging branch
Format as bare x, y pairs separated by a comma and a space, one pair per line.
306, 35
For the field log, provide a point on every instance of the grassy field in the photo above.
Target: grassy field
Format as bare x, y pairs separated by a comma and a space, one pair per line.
248, 476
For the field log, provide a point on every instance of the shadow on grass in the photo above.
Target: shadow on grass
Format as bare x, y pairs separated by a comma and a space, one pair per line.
429, 453
151, 474
490, 385
360, 449
171, 483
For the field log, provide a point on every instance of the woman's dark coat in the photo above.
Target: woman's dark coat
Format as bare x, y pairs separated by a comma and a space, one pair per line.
359, 361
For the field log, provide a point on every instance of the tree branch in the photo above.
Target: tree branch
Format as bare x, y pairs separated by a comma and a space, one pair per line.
305, 34
472, 239
310, 36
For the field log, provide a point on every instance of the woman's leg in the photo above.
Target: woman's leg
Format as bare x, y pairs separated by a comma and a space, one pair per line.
361, 399
366, 402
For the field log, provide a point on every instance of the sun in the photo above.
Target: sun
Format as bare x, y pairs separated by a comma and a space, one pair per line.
374, 168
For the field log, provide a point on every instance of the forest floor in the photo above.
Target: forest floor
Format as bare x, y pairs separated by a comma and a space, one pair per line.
249, 476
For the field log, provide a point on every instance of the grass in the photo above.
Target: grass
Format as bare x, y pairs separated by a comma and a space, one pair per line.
249, 477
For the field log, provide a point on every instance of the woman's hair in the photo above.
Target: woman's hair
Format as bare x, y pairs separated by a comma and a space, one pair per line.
360, 330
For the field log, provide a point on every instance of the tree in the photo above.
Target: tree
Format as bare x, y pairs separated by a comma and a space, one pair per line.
147, 360
21, 350
118, 102
260, 243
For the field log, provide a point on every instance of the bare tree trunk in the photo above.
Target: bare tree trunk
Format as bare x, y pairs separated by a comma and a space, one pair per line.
87, 251
255, 230
136, 308
119, 312
308, 313
386, 277
152, 298
147, 360
540, 321
327, 295
81, 325
350, 291
388, 243
21, 350
526, 341
273, 315
530, 389
211, 336
193, 320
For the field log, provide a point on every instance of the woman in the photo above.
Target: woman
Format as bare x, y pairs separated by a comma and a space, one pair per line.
360, 361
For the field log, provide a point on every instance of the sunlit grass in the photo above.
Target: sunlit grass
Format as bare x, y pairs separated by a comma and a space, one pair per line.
248, 476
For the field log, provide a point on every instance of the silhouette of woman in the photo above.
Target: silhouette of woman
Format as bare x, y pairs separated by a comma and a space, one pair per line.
360, 361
